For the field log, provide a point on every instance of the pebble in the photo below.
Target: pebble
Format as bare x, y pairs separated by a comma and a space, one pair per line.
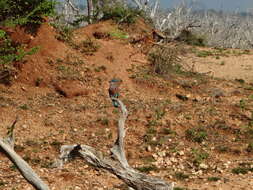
162, 154
149, 148
168, 162
172, 159
203, 166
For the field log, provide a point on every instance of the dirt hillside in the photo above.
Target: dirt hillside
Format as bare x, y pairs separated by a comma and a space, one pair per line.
192, 129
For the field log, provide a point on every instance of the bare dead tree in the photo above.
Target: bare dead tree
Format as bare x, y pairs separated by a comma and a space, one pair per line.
7, 145
90, 10
116, 163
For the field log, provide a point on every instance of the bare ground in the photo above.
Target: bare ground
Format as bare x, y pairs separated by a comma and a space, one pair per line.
61, 98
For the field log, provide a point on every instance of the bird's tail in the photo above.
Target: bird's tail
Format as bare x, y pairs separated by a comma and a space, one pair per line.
115, 103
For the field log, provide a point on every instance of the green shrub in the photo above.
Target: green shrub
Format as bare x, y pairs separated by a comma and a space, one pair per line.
240, 170
147, 169
64, 33
25, 12
199, 156
181, 176
213, 178
10, 52
196, 134
88, 46
120, 13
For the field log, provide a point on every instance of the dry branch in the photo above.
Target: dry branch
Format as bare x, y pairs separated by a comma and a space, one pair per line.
116, 163
26, 171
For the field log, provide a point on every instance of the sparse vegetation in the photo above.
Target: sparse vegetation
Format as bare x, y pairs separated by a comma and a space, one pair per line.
65, 33
181, 176
199, 156
118, 34
179, 188
241, 170
147, 169
11, 52
24, 107
164, 60
213, 178
250, 147
196, 134
88, 47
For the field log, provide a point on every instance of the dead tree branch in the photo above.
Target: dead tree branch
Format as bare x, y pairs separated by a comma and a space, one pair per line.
26, 171
116, 163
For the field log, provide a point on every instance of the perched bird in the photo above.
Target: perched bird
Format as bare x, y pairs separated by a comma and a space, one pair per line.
114, 90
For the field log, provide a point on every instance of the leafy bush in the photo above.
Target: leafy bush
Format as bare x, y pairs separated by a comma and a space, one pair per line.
120, 13
10, 52
196, 135
242, 170
181, 176
24, 12
199, 156
64, 33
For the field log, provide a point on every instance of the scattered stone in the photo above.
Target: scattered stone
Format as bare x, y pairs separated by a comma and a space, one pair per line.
149, 148
172, 159
203, 166
162, 154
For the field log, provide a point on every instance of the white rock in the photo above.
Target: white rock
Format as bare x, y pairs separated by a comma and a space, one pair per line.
172, 159
203, 166
149, 149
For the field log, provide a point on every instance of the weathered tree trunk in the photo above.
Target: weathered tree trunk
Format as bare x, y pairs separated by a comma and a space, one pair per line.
26, 171
90, 10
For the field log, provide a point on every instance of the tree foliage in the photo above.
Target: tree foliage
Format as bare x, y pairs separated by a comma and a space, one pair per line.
24, 12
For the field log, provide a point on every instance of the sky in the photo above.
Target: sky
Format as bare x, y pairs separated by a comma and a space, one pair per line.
227, 5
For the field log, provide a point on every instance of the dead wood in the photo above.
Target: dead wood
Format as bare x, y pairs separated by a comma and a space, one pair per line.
116, 163
7, 145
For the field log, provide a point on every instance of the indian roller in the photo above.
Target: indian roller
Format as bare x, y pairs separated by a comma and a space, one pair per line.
114, 90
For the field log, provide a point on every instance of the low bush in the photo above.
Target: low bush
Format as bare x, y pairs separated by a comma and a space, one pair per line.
10, 53
120, 13
196, 134
24, 12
